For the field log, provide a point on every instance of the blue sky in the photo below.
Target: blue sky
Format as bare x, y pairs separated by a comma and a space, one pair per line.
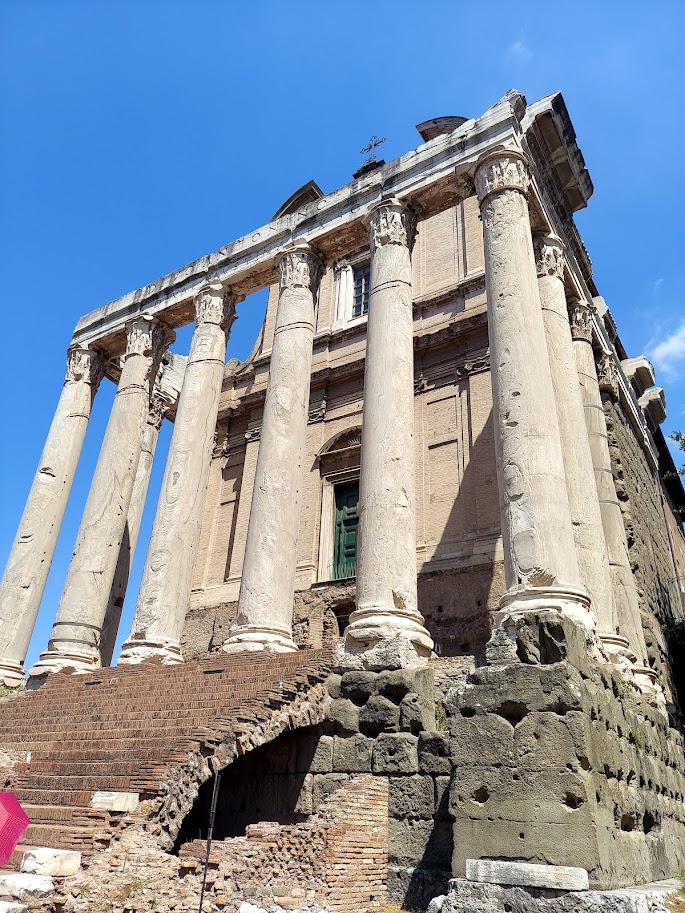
136, 136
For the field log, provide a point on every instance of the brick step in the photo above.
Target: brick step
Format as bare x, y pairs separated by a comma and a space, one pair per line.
66, 814
73, 783
108, 753
99, 767
69, 837
31, 795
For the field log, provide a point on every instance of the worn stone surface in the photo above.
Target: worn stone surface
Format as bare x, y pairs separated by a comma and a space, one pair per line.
560, 768
166, 581
352, 755
387, 602
537, 530
43, 860
527, 875
395, 753
75, 639
588, 531
28, 565
379, 714
469, 897
265, 604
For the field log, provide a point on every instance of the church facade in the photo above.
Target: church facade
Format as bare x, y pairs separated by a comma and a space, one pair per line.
438, 463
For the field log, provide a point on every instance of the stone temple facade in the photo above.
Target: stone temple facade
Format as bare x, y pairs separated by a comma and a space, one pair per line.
412, 578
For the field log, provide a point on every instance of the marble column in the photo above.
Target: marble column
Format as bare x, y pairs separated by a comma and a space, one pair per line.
588, 530
624, 641
110, 629
541, 566
74, 644
265, 603
29, 562
167, 576
386, 546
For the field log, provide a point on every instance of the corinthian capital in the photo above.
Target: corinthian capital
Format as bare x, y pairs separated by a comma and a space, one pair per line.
549, 256
504, 169
215, 304
159, 403
580, 317
146, 335
300, 267
392, 222
84, 364
607, 374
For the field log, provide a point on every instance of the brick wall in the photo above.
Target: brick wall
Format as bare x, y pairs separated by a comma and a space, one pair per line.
337, 859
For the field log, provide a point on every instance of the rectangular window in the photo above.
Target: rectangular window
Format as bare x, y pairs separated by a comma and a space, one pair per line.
362, 281
346, 522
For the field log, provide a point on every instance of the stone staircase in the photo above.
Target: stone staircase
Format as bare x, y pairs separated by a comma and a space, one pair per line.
128, 730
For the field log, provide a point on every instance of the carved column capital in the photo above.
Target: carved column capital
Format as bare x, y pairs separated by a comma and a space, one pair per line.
84, 364
215, 303
549, 256
607, 374
392, 222
301, 267
146, 335
580, 316
504, 169
159, 403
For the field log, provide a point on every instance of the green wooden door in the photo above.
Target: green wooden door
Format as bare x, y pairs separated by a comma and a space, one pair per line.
346, 521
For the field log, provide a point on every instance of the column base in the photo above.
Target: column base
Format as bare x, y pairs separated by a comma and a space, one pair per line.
68, 662
570, 601
617, 649
11, 673
253, 638
371, 625
161, 653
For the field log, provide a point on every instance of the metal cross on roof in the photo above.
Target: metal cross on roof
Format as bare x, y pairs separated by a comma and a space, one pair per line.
374, 142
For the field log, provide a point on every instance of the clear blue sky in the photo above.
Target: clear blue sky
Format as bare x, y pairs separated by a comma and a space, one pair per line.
136, 136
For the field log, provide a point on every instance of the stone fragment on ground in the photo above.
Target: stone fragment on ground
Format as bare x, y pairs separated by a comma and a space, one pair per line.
475, 897
43, 860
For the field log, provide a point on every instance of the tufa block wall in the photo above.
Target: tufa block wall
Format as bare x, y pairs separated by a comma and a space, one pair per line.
645, 513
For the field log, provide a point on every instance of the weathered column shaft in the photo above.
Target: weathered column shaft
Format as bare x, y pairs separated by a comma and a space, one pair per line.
167, 575
29, 562
265, 604
75, 640
386, 554
540, 557
136, 507
588, 531
626, 619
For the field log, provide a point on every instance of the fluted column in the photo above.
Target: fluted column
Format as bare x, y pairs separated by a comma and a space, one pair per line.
165, 586
136, 507
74, 644
625, 639
386, 545
265, 603
540, 557
29, 562
580, 478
